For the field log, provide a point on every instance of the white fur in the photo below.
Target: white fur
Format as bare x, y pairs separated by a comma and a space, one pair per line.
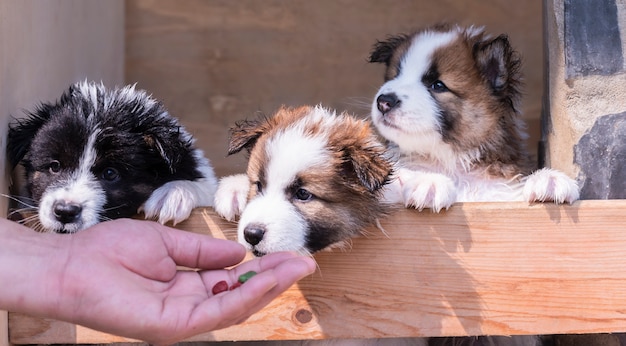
422, 190
231, 196
289, 152
425, 188
286, 228
433, 174
415, 126
175, 200
281, 150
127, 94
81, 189
550, 185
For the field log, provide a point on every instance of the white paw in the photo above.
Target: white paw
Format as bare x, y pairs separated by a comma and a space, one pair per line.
173, 201
427, 190
231, 196
550, 185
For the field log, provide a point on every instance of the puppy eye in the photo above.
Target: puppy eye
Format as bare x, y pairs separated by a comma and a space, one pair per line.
110, 174
54, 166
303, 195
259, 187
438, 87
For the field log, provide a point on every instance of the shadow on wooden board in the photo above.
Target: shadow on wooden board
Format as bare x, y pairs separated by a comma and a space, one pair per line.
475, 269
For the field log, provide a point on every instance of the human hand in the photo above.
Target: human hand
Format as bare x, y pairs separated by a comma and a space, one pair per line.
121, 277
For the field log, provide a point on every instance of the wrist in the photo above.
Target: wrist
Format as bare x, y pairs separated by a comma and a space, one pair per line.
30, 265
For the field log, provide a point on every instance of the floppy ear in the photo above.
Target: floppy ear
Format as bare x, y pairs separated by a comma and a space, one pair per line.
498, 63
369, 162
169, 145
245, 134
383, 50
23, 131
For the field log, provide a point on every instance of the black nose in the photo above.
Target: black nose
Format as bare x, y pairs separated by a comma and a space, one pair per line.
254, 233
66, 212
387, 102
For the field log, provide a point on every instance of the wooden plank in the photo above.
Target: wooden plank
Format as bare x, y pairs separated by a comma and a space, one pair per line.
478, 268
4, 329
222, 65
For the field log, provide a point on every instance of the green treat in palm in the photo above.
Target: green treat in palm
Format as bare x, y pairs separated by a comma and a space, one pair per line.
246, 276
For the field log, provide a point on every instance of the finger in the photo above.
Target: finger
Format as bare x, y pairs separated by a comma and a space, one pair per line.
287, 273
201, 251
258, 265
233, 306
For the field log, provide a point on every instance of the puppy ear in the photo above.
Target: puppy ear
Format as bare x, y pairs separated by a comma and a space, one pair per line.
169, 146
498, 63
383, 50
370, 163
372, 171
245, 134
23, 131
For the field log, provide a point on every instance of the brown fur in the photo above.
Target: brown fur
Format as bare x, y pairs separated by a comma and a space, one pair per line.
353, 143
479, 114
481, 111
347, 187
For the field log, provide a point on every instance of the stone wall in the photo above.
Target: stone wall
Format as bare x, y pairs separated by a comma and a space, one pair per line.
585, 106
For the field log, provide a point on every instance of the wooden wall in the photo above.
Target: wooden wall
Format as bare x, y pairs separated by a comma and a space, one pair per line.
215, 62
46, 46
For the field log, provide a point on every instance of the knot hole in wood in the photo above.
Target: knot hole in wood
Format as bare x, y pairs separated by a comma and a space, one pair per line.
304, 316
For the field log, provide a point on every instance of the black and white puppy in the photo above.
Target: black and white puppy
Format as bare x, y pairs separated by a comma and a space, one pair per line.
449, 106
99, 154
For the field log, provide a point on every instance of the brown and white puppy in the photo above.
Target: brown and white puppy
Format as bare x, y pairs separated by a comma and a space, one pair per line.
450, 109
314, 179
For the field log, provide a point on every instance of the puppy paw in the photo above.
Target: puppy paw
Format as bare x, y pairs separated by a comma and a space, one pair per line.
547, 185
173, 201
231, 196
428, 190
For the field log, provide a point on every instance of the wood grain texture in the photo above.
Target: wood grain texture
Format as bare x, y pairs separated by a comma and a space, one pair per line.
216, 62
478, 268
4, 328
46, 46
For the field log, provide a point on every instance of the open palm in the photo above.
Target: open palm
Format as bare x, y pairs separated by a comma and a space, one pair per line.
123, 277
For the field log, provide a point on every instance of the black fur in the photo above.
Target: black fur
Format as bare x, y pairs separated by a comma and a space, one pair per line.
500, 65
139, 145
383, 51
